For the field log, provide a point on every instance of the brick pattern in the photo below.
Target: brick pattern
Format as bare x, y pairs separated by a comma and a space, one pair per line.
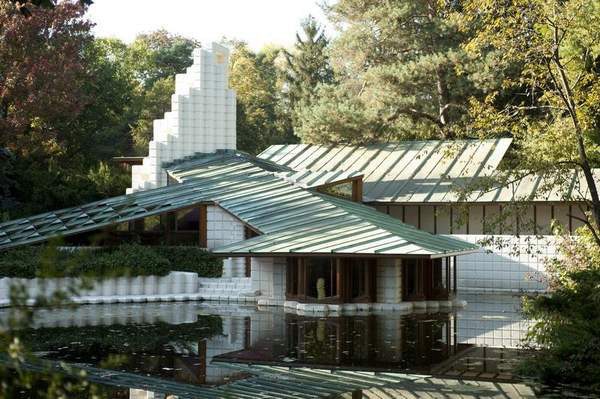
202, 118
222, 229
268, 277
517, 266
389, 281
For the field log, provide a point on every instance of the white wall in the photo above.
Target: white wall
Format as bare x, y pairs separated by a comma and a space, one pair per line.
268, 276
223, 229
389, 281
517, 266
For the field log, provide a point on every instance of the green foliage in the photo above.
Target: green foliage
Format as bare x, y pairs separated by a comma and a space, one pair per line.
401, 73
108, 181
192, 259
261, 118
153, 103
550, 103
125, 260
567, 319
159, 55
307, 66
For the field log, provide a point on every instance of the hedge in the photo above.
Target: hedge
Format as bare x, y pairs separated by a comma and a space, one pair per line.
125, 260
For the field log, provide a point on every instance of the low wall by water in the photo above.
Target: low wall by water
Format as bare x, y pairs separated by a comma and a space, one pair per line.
176, 286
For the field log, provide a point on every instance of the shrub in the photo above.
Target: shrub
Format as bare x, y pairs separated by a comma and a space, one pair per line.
567, 318
192, 259
125, 260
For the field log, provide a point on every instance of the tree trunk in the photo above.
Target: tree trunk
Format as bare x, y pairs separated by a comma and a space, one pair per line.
443, 101
567, 96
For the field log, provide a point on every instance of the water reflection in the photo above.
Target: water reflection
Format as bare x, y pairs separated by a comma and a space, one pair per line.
197, 344
378, 342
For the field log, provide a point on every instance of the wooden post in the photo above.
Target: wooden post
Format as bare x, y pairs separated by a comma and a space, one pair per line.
203, 223
455, 273
357, 190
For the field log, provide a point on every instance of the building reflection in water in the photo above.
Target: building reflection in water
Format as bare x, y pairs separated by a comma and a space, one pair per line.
391, 342
196, 344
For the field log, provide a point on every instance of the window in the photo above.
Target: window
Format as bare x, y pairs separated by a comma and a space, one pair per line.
187, 219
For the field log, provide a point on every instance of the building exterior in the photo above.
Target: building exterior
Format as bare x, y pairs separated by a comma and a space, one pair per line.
419, 183
308, 227
298, 245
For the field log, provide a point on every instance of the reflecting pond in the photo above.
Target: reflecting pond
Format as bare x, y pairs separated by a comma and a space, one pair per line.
214, 344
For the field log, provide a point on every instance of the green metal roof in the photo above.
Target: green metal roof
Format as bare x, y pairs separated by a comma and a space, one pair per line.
292, 219
409, 171
309, 179
565, 185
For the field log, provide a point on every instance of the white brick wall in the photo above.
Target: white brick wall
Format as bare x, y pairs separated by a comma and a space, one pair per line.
517, 266
222, 229
202, 118
268, 277
389, 281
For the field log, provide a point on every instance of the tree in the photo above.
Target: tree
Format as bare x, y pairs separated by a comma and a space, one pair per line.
24, 6
553, 115
307, 65
65, 105
566, 321
400, 64
155, 59
160, 55
260, 119
554, 112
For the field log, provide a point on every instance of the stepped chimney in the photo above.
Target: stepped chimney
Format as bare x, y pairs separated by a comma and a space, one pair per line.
201, 120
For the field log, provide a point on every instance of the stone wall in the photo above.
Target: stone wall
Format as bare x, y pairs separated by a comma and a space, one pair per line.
268, 277
517, 264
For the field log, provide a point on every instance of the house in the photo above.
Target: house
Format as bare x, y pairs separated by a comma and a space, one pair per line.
418, 181
308, 227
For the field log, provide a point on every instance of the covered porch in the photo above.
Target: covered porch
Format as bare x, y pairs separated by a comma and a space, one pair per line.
338, 280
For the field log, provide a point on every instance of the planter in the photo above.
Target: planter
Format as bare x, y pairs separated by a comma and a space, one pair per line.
123, 284
165, 284
136, 285
174, 286
150, 285
108, 287
178, 283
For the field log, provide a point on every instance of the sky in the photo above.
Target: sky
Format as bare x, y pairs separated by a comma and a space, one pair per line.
257, 22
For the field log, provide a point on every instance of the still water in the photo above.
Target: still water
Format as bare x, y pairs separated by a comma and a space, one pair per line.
212, 345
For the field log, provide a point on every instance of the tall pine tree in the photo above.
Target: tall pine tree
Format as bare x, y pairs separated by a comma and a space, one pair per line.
307, 65
402, 74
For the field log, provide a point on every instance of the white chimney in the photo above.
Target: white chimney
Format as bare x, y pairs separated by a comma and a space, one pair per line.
201, 120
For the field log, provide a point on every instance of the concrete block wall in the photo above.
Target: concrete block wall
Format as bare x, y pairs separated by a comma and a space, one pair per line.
268, 276
389, 281
518, 266
222, 229
178, 286
202, 118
